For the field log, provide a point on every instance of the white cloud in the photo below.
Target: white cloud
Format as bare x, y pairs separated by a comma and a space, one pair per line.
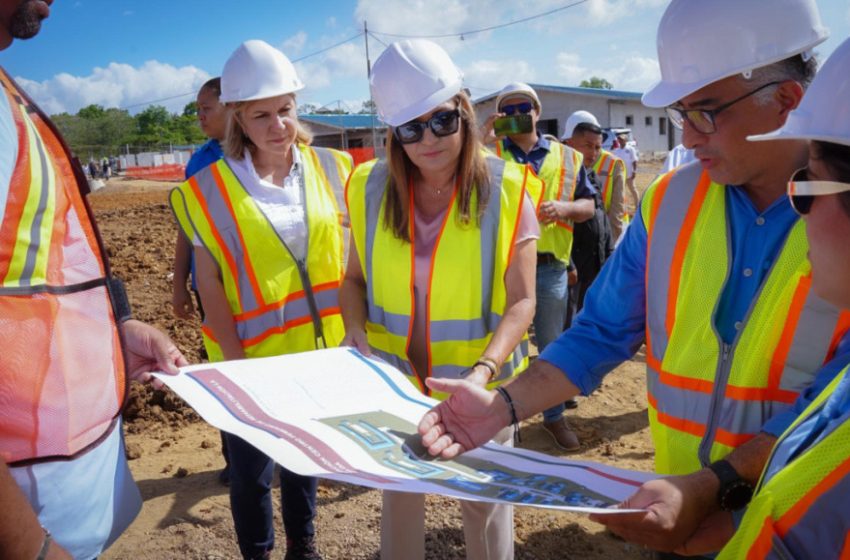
345, 61
568, 67
634, 73
489, 75
118, 85
603, 12
293, 45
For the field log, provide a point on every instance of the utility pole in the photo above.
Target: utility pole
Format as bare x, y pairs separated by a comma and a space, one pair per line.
368, 78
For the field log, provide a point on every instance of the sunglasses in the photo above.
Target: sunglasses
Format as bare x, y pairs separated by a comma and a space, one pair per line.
802, 192
703, 120
443, 123
525, 107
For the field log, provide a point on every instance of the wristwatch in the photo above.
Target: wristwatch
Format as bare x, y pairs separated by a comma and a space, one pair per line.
734, 492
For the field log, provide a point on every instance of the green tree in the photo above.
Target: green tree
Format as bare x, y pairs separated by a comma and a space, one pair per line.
596, 83
368, 108
191, 109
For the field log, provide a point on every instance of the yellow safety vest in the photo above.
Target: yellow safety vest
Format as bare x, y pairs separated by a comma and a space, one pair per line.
607, 167
706, 397
559, 172
467, 281
801, 511
280, 304
62, 378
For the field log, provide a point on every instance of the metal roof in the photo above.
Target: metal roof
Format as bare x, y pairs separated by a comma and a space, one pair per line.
610, 93
347, 122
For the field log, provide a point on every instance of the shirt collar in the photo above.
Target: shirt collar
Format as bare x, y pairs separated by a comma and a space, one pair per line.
542, 144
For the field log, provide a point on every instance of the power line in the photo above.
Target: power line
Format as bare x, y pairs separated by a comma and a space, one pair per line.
372, 35
483, 29
306, 56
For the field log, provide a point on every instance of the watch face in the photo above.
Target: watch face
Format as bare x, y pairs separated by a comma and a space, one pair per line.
736, 495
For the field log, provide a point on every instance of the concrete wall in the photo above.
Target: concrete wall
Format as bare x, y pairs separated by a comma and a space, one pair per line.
610, 112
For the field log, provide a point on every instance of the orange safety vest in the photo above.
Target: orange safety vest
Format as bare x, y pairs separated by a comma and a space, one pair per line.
62, 380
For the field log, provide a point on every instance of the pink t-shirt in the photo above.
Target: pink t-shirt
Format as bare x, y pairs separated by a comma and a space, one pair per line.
426, 232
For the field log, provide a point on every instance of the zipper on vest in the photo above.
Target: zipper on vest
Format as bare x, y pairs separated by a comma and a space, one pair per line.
727, 351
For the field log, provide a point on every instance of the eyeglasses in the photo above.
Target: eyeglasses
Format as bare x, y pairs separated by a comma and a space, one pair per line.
525, 107
703, 120
802, 192
443, 123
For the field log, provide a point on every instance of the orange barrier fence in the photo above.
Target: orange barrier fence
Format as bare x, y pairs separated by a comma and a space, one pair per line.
361, 154
167, 172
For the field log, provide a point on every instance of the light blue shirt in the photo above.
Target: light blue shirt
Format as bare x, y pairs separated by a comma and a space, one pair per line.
210, 152
610, 328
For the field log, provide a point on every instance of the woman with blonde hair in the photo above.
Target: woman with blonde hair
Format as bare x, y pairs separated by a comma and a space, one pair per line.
268, 243
440, 276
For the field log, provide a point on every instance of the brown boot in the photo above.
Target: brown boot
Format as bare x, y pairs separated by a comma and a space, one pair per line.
564, 436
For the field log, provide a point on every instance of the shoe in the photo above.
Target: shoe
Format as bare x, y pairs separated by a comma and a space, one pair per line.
302, 549
571, 404
564, 436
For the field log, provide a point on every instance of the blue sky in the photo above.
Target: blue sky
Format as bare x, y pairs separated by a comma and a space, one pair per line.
127, 53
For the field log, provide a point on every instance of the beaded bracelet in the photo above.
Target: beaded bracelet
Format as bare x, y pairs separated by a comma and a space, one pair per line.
514, 420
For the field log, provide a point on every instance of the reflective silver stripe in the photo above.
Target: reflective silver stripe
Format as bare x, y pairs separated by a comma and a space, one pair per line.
294, 309
488, 235
327, 160
508, 368
225, 223
38, 218
665, 233
400, 364
735, 416
376, 184
810, 345
569, 174
395, 323
463, 329
449, 371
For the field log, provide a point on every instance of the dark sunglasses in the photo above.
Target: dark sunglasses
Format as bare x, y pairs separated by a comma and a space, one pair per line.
443, 123
802, 191
703, 120
525, 107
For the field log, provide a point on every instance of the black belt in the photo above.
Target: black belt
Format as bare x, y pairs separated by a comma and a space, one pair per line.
547, 258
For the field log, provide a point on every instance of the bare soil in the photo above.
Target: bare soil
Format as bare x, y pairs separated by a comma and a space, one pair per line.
175, 457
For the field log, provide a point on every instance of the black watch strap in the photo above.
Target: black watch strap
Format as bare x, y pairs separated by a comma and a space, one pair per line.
734, 492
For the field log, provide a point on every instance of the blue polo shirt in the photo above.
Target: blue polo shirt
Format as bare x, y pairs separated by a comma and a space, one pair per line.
535, 157
611, 327
206, 155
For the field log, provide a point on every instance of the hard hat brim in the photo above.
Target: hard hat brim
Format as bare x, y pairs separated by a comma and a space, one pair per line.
262, 94
424, 106
782, 134
664, 94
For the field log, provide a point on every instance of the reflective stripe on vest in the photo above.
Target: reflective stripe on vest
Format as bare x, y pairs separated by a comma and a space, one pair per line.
705, 397
467, 288
801, 511
62, 381
279, 304
559, 173
605, 171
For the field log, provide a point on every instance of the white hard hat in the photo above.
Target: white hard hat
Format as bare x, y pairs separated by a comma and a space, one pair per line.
576, 119
517, 88
257, 70
410, 78
824, 113
701, 42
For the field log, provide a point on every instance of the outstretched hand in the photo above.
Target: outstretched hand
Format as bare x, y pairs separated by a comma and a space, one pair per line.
470, 417
149, 349
675, 507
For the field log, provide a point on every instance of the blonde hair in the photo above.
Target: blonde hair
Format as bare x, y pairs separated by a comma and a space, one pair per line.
235, 139
472, 175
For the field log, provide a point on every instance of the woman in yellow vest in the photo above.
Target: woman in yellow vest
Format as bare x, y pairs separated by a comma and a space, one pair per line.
268, 244
440, 277
799, 509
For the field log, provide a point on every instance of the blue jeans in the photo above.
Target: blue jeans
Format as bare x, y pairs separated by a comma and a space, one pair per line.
552, 300
251, 474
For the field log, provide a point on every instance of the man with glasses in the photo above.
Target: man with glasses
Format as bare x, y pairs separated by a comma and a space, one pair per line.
566, 199
712, 275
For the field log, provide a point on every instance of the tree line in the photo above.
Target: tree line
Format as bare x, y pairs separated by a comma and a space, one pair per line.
95, 132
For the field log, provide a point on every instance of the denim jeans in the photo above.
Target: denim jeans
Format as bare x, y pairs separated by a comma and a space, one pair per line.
251, 474
552, 299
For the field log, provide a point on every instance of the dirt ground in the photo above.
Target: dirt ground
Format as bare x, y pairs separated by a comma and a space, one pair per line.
175, 457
